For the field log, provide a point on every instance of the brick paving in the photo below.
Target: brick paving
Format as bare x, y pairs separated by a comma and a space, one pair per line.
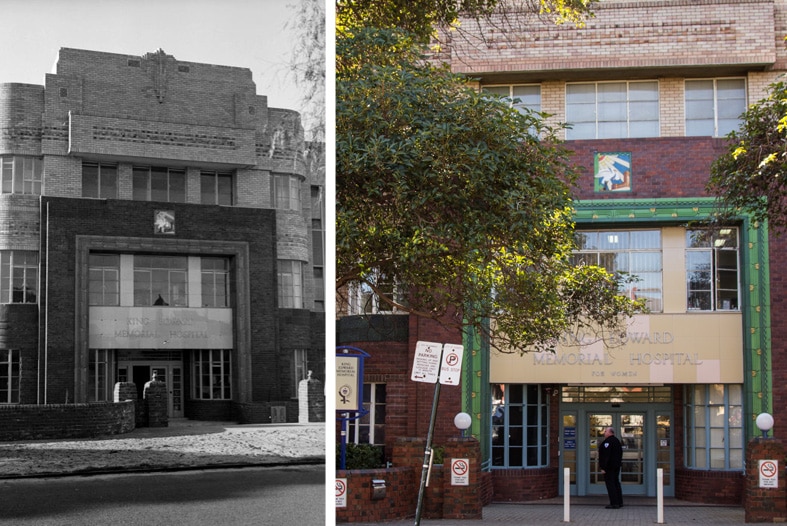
587, 511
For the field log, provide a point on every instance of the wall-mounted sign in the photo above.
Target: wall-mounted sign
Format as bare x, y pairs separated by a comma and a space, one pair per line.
612, 172
460, 472
769, 473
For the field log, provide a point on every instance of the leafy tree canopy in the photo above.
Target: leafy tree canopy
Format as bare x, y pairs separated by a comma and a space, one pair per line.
422, 17
751, 175
459, 197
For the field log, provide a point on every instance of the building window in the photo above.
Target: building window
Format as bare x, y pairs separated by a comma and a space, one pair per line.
636, 254
712, 269
370, 428
290, 284
611, 110
159, 184
300, 368
18, 276
363, 301
287, 192
99, 180
216, 188
21, 175
160, 281
714, 106
714, 426
103, 279
215, 282
318, 247
211, 374
520, 422
522, 98
100, 387
9, 376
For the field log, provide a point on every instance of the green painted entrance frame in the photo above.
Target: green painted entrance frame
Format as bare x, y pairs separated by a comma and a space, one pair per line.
754, 304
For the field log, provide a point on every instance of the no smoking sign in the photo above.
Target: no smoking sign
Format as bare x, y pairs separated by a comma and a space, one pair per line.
460, 472
769, 473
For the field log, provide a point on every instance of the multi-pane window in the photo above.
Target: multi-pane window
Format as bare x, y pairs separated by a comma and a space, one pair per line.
160, 281
714, 426
520, 421
159, 184
611, 110
9, 376
99, 180
714, 106
634, 254
522, 98
100, 367
318, 248
363, 300
712, 269
290, 284
370, 428
215, 282
287, 192
20, 175
216, 188
211, 374
18, 276
103, 279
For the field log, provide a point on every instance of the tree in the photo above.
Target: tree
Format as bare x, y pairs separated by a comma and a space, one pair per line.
751, 175
307, 62
458, 197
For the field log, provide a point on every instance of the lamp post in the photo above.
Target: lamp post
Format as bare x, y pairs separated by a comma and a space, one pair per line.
765, 423
463, 421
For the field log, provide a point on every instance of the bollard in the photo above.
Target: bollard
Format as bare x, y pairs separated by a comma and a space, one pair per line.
660, 495
566, 495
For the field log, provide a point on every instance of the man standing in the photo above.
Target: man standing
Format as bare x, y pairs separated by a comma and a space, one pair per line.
610, 458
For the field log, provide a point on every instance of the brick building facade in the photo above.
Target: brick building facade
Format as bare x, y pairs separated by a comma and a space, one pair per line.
651, 88
157, 216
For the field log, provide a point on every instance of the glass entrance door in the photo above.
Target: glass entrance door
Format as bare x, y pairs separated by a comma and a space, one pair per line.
630, 430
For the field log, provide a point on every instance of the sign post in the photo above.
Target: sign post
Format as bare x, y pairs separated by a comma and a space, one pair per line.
433, 362
349, 392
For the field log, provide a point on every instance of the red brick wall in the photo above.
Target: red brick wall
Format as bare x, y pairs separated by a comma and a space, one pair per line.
765, 504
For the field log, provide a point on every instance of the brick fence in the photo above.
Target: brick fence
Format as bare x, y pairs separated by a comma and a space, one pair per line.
442, 498
34, 422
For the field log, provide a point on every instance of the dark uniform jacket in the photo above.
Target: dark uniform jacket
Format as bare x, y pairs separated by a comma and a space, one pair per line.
610, 454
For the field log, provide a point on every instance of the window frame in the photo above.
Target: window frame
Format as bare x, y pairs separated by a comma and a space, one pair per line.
703, 438
161, 280
290, 283
204, 385
21, 174
173, 178
101, 187
103, 268
633, 290
12, 262
633, 107
370, 427
215, 284
690, 106
10, 376
101, 366
534, 436
287, 192
318, 246
513, 98
217, 188
716, 250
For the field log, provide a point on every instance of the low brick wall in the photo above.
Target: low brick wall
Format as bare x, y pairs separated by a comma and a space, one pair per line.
710, 487
35, 422
400, 500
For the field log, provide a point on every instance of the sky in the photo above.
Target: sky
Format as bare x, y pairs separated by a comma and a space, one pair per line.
243, 33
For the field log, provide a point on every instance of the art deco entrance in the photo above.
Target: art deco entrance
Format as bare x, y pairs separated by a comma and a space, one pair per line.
644, 430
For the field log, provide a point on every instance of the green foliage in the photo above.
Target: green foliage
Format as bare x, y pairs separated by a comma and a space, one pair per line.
460, 197
751, 175
361, 456
421, 18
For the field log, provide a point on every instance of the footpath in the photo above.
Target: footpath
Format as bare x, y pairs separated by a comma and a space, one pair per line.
184, 444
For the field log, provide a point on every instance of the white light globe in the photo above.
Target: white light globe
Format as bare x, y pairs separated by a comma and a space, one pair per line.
462, 421
764, 422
